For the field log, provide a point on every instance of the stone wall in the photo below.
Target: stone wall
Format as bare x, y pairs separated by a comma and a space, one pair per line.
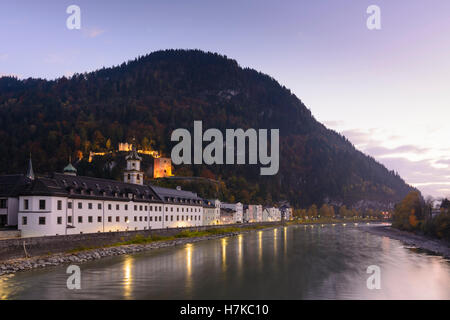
15, 248
9, 234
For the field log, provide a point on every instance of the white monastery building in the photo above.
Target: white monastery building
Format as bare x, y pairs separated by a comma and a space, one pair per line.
65, 203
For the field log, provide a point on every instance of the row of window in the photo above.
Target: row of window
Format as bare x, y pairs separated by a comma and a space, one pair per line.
42, 220
42, 206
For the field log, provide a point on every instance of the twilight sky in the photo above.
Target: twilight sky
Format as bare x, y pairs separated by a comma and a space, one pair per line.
387, 91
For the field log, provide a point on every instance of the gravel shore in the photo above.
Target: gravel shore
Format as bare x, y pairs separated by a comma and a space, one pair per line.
23, 264
435, 246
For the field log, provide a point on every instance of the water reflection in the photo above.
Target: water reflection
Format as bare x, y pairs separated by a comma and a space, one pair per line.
275, 234
240, 240
127, 276
188, 250
317, 263
224, 254
285, 241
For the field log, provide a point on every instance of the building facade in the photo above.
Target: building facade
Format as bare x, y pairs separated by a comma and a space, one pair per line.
252, 213
238, 208
180, 208
271, 214
64, 203
211, 212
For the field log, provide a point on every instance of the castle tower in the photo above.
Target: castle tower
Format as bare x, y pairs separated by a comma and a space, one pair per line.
133, 173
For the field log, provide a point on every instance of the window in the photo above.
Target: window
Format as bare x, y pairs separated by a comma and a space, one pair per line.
69, 205
171, 218
117, 206
24, 221
59, 205
109, 206
90, 219
135, 219
26, 204
80, 219
117, 219
99, 206
3, 203
69, 219
129, 176
140, 208
151, 208
59, 220
135, 207
126, 207
151, 219
145, 218
99, 219
145, 208
89, 206
126, 219
41, 220
110, 219
42, 205
178, 218
80, 205
140, 218
167, 218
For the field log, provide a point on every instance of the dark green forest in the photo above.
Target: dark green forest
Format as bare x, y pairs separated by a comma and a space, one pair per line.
147, 98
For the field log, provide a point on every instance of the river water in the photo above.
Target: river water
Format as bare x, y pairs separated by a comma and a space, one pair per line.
296, 262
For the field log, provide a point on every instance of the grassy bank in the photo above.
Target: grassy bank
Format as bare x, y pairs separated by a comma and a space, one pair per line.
139, 239
326, 220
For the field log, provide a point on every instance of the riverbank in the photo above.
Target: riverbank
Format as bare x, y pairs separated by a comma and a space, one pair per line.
135, 245
435, 246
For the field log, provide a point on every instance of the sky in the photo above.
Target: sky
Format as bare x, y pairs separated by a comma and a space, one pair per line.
386, 90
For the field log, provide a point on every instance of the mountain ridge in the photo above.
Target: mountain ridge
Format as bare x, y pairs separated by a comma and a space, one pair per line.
152, 95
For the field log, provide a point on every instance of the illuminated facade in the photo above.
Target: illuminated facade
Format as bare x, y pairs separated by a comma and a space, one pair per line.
162, 167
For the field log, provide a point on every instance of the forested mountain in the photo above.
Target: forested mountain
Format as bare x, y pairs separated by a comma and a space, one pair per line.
149, 97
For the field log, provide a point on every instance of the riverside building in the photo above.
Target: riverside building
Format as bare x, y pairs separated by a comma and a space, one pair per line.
64, 203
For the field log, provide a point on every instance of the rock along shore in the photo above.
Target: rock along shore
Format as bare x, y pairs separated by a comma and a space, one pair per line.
23, 264
436, 246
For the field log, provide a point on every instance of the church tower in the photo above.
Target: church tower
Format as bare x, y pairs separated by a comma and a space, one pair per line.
30, 172
133, 173
70, 169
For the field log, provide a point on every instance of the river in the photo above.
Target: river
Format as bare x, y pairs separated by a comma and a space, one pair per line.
296, 262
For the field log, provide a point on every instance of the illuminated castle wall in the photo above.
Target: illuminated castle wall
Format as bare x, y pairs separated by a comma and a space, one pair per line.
162, 167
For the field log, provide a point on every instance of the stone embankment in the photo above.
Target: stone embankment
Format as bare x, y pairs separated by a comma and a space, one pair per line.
23, 264
413, 240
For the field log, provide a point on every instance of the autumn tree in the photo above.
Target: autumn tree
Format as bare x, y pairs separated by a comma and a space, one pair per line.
312, 211
408, 212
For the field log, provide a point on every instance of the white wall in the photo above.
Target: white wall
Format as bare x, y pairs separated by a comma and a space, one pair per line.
102, 216
176, 215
